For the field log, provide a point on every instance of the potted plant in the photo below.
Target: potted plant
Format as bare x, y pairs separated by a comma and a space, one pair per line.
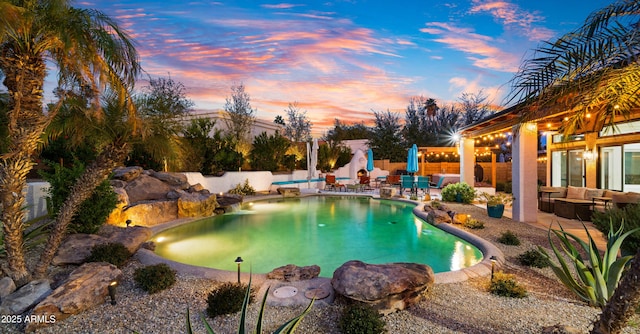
496, 203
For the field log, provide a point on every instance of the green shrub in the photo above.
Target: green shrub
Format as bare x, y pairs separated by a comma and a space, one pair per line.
114, 253
245, 189
509, 238
473, 224
361, 319
93, 212
226, 298
533, 258
614, 217
505, 285
508, 187
465, 192
436, 204
155, 278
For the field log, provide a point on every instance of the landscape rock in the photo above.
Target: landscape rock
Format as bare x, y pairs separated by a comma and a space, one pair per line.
127, 173
151, 213
85, 288
386, 287
131, 237
76, 247
178, 180
24, 298
196, 205
146, 188
7, 286
291, 272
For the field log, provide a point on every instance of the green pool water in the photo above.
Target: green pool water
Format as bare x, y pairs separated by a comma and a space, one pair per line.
322, 230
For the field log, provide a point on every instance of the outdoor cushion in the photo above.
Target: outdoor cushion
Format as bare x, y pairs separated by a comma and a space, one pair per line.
610, 193
561, 191
576, 192
590, 193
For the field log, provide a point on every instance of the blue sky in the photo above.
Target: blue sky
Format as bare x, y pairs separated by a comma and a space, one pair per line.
342, 58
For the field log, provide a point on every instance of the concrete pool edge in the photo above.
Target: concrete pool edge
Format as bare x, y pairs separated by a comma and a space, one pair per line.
481, 269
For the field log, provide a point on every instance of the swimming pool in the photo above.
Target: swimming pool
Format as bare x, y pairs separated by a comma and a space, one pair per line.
322, 230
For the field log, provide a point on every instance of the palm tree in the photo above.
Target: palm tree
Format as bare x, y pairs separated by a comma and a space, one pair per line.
594, 69
89, 50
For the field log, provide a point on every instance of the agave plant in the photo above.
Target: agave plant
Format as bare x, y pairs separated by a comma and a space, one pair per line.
288, 327
597, 275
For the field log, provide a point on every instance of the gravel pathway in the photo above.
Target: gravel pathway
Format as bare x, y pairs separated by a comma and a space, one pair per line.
464, 307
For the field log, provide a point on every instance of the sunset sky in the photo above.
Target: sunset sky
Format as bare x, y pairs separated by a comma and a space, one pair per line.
341, 58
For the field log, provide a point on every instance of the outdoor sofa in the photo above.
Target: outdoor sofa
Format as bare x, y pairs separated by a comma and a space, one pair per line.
579, 202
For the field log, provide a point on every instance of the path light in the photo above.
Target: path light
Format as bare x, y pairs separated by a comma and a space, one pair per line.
493, 259
238, 261
112, 291
128, 222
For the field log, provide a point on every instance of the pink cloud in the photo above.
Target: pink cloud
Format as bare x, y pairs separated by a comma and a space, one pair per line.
511, 15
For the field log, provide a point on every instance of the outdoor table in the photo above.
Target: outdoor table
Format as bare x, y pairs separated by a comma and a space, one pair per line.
548, 192
606, 201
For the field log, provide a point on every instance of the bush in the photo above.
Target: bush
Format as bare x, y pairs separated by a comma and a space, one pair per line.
505, 285
245, 189
226, 298
508, 187
509, 238
114, 253
466, 192
630, 215
360, 319
533, 258
93, 212
473, 224
155, 278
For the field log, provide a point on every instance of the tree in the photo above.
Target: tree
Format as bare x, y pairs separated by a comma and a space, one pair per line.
473, 107
343, 131
386, 140
164, 103
298, 126
594, 70
441, 127
200, 152
268, 151
414, 121
240, 115
89, 49
279, 120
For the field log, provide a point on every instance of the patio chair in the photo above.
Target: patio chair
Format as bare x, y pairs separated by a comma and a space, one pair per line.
330, 182
365, 181
406, 182
423, 184
392, 180
437, 185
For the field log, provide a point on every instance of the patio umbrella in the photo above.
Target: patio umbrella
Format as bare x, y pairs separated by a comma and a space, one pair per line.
308, 166
412, 159
314, 157
369, 160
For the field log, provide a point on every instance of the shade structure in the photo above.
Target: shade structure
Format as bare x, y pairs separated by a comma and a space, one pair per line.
369, 160
412, 159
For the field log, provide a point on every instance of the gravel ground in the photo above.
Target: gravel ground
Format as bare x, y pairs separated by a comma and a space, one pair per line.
464, 307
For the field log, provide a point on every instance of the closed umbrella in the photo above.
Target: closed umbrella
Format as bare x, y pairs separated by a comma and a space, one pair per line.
308, 166
314, 157
412, 159
369, 160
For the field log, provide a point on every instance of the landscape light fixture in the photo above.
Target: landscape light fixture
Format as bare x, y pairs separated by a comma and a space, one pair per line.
493, 259
238, 261
128, 222
112, 291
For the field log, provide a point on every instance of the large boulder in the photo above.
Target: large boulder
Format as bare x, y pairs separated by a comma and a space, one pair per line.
127, 173
151, 213
130, 237
146, 188
76, 247
24, 298
386, 287
177, 180
291, 272
85, 288
196, 205
7, 286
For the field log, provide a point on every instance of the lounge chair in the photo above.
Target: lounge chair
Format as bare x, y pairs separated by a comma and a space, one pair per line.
437, 185
330, 182
365, 181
